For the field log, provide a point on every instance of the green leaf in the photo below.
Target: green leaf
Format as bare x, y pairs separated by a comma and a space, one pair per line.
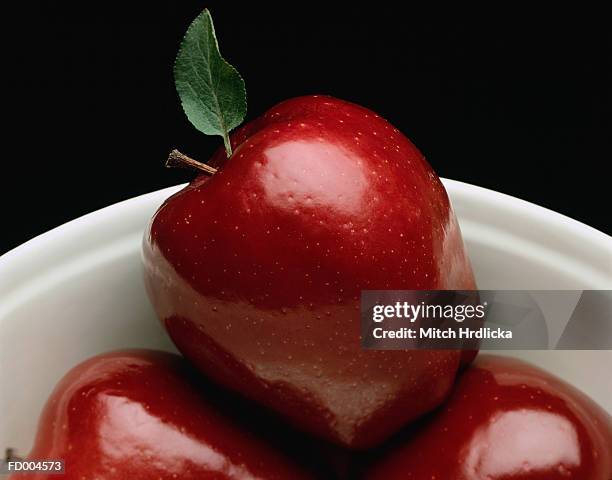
212, 92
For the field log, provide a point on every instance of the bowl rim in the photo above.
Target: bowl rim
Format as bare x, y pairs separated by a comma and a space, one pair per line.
455, 188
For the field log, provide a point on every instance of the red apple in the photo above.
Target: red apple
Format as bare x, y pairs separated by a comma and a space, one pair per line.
256, 272
140, 415
506, 420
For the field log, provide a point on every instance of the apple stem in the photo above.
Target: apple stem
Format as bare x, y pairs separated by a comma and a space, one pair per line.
178, 159
9, 455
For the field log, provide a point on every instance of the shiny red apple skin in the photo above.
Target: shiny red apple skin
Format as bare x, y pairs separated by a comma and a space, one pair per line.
139, 414
256, 272
506, 420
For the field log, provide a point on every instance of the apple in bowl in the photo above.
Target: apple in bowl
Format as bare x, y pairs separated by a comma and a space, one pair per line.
256, 271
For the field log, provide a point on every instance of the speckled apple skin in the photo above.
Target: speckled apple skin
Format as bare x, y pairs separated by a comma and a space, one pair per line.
256, 272
142, 415
506, 420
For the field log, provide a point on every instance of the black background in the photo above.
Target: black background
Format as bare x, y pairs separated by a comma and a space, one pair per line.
509, 100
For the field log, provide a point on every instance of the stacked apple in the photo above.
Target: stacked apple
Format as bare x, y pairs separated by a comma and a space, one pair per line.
255, 270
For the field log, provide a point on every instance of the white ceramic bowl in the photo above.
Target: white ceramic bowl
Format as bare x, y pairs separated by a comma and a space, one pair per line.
77, 291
